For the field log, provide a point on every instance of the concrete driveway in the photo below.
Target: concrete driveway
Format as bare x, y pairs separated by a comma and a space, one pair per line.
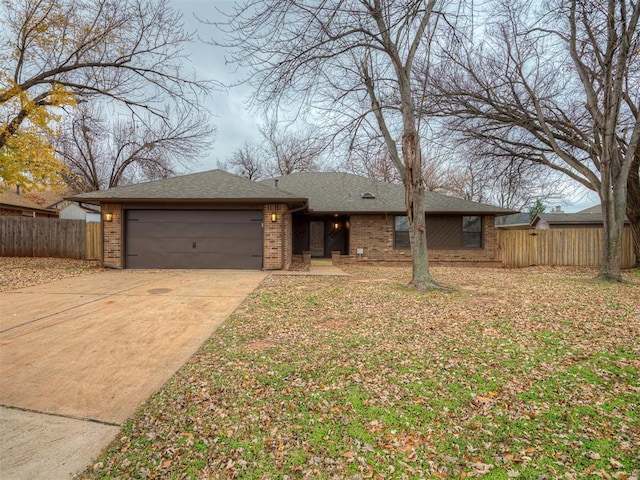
78, 356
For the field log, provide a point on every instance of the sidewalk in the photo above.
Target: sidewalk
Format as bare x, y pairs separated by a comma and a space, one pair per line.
315, 271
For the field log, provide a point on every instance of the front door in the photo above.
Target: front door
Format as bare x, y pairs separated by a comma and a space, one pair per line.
316, 238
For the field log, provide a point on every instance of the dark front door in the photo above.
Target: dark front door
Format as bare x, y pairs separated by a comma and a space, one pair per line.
337, 236
316, 238
193, 239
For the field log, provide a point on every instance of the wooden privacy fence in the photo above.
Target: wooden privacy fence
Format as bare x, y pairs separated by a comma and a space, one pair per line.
49, 237
562, 246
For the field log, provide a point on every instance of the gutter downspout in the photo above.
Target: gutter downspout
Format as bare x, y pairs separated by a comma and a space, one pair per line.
282, 246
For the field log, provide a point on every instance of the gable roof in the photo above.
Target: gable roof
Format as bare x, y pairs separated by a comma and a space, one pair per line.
337, 192
588, 216
212, 185
327, 192
13, 200
515, 221
595, 209
566, 218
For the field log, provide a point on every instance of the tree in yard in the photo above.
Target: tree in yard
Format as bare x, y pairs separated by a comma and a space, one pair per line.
99, 154
633, 204
560, 90
246, 161
59, 53
508, 182
281, 152
353, 62
536, 209
290, 152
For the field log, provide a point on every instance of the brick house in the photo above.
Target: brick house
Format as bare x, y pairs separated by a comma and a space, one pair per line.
587, 218
218, 220
15, 204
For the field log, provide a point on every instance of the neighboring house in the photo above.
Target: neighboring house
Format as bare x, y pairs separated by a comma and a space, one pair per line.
68, 210
15, 204
517, 221
588, 218
218, 220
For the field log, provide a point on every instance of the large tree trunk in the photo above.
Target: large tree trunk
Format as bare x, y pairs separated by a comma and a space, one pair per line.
633, 205
414, 188
614, 199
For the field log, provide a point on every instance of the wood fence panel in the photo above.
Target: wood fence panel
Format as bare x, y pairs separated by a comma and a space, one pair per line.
562, 246
42, 237
94, 241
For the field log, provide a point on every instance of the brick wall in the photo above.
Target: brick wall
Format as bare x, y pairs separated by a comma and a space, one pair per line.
112, 236
374, 234
9, 212
277, 237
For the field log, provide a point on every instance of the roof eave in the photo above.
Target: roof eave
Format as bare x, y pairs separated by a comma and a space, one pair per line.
99, 201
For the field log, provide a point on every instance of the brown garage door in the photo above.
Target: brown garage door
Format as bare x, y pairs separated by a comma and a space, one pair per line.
193, 239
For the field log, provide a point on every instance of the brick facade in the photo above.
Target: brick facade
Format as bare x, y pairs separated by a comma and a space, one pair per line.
374, 235
112, 246
277, 238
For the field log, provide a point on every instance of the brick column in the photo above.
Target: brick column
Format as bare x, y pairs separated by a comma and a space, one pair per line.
112, 236
277, 237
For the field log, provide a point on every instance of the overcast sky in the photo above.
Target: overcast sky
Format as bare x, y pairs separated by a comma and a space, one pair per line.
233, 120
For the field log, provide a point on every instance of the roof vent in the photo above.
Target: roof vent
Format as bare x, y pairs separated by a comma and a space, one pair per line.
368, 195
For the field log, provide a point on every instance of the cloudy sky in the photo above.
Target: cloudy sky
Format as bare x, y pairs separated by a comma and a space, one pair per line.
234, 121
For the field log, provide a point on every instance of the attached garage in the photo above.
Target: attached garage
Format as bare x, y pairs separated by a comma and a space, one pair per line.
230, 239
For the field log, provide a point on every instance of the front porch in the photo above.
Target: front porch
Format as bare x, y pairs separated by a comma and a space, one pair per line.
319, 236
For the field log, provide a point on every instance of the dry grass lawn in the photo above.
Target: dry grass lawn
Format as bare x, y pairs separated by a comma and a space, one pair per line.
531, 373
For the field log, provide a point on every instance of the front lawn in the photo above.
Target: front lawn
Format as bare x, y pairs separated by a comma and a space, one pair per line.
531, 373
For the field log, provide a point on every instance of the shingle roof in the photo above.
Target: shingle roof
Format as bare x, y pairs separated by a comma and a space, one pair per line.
589, 216
212, 185
594, 209
515, 220
328, 192
10, 198
554, 218
335, 192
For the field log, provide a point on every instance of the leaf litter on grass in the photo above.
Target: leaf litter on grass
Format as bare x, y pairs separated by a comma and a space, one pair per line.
19, 272
531, 373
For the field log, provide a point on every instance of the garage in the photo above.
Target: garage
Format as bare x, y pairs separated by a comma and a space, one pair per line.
230, 239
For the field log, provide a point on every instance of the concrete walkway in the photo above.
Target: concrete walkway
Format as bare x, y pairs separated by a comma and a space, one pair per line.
78, 356
315, 271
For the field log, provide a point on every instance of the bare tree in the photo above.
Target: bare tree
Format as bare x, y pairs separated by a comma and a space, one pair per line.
560, 90
374, 164
290, 151
509, 182
246, 161
59, 53
352, 61
464, 170
100, 154
633, 204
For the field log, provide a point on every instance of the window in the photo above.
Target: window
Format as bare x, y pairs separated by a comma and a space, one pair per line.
472, 231
401, 232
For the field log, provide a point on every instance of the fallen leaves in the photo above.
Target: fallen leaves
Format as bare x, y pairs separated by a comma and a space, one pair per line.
359, 377
18, 272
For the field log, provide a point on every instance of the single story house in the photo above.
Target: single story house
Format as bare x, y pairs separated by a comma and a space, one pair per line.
15, 204
215, 219
517, 221
588, 218
68, 210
